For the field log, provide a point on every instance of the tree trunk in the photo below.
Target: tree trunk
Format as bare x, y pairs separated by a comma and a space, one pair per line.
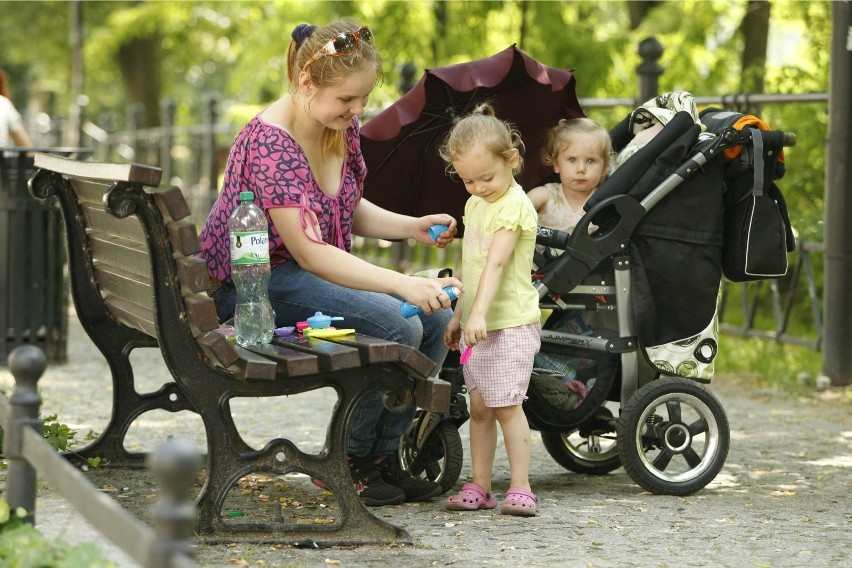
139, 60
440, 11
755, 33
638, 10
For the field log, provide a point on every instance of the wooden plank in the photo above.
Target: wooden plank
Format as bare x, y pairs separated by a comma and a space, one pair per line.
201, 313
251, 366
415, 362
332, 356
146, 175
371, 349
218, 348
90, 191
432, 394
291, 363
118, 251
171, 203
184, 237
97, 219
132, 315
192, 274
114, 281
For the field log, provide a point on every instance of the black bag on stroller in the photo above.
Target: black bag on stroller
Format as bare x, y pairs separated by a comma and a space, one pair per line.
758, 234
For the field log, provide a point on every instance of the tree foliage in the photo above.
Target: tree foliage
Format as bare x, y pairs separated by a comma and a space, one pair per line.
144, 50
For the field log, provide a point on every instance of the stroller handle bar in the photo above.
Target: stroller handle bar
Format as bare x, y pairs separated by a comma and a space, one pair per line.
728, 138
587, 250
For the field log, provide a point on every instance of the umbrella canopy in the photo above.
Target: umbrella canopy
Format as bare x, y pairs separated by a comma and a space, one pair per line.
400, 145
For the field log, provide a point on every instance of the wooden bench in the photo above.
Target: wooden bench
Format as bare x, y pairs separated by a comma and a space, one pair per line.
136, 283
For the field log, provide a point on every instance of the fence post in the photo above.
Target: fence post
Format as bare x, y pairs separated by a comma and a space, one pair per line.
174, 465
134, 119
837, 331
167, 110
211, 167
649, 71
26, 363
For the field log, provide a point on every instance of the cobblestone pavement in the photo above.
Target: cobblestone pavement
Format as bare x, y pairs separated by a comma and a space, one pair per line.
782, 499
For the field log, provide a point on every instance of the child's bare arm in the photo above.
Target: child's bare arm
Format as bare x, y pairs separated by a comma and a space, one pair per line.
538, 196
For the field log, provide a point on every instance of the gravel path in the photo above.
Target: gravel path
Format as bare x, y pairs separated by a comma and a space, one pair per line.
782, 499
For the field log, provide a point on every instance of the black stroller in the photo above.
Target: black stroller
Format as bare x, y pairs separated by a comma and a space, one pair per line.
633, 318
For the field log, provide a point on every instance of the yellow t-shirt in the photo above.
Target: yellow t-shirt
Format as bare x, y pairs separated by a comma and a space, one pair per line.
516, 301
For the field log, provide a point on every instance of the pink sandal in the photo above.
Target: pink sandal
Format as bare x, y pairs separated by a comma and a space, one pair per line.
519, 501
471, 498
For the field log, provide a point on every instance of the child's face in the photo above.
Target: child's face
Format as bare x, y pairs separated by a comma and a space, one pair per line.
484, 174
579, 164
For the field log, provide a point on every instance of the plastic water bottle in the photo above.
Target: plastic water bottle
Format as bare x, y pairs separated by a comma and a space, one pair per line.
254, 320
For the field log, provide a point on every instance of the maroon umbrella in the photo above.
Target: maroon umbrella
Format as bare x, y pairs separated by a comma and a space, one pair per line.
400, 145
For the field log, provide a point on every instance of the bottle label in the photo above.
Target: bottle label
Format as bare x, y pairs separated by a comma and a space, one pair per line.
249, 247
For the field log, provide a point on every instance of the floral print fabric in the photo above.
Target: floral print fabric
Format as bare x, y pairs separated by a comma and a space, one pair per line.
267, 160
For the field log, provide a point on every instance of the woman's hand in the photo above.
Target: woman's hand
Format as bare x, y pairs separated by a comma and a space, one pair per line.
420, 230
428, 293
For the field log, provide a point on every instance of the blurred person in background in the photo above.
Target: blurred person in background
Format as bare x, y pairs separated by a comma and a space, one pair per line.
12, 132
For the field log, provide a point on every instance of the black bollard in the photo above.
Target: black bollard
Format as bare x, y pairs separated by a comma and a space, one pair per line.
27, 364
175, 466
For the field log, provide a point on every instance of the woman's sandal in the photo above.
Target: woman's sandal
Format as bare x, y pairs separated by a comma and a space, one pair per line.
471, 498
519, 501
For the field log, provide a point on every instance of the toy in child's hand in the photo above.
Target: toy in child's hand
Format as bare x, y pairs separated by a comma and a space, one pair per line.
436, 230
407, 309
465, 356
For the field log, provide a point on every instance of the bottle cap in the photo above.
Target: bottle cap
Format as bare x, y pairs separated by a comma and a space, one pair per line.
246, 196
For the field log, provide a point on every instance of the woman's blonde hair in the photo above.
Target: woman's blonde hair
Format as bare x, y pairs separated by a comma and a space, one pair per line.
331, 70
563, 134
483, 127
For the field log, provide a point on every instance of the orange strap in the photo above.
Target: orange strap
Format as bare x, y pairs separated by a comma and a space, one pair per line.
743, 123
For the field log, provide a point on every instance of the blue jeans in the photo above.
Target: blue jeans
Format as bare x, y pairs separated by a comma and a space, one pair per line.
296, 294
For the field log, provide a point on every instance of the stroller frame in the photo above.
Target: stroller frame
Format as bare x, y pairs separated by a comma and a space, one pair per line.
652, 430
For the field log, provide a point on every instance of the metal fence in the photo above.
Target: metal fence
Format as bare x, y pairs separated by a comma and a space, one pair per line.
29, 455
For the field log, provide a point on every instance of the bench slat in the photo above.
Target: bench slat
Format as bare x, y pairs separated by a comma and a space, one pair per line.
117, 251
132, 315
417, 364
201, 313
192, 273
184, 238
92, 192
332, 356
114, 281
218, 348
251, 366
171, 202
97, 219
291, 363
146, 175
371, 349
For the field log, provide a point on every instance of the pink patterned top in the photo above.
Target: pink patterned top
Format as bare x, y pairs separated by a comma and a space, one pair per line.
267, 160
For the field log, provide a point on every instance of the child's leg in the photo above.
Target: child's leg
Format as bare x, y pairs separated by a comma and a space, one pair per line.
483, 440
516, 436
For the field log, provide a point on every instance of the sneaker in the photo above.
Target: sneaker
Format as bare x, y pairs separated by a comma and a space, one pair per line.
370, 485
415, 488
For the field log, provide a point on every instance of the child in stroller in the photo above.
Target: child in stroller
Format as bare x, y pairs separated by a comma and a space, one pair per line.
655, 265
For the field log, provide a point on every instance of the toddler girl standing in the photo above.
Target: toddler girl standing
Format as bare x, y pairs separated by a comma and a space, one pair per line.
498, 317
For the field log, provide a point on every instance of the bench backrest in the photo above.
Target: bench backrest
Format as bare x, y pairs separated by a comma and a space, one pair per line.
139, 249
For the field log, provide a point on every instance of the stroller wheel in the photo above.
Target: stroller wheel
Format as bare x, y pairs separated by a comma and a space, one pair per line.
590, 448
673, 436
440, 457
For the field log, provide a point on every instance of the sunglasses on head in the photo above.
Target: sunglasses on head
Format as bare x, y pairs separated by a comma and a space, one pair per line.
341, 44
